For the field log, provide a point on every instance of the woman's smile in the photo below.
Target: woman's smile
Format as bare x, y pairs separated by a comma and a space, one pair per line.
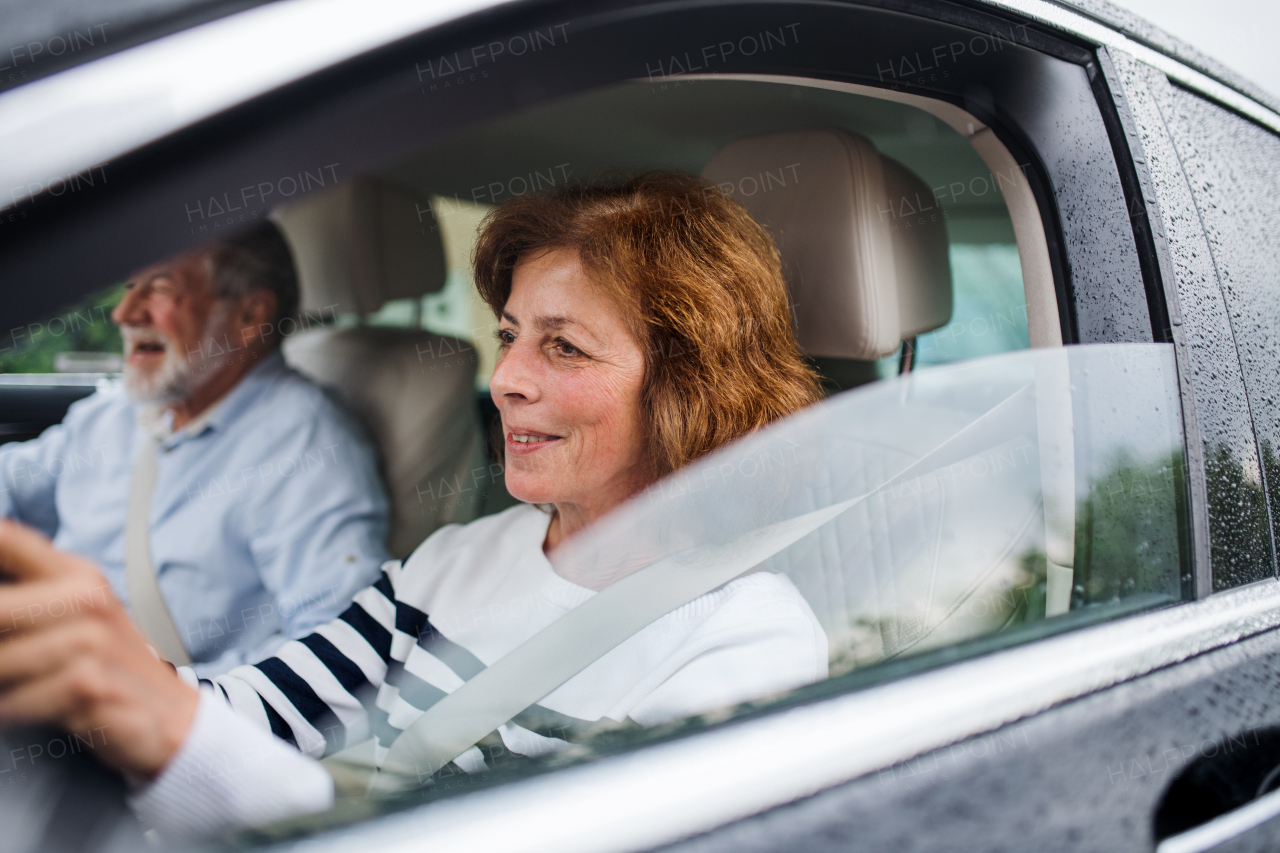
527, 441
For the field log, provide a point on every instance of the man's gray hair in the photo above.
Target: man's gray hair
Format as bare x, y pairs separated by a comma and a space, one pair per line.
258, 259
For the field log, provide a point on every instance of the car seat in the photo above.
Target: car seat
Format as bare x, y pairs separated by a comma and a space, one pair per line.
865, 254
357, 247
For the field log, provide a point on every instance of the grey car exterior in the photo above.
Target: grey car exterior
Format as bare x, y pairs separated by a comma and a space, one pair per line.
1158, 175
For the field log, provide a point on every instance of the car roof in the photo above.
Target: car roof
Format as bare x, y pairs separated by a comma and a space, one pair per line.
1144, 32
165, 84
125, 23
95, 28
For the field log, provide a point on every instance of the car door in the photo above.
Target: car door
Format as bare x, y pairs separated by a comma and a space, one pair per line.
1062, 735
1182, 757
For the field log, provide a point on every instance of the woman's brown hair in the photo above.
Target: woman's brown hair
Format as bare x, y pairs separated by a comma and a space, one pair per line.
700, 285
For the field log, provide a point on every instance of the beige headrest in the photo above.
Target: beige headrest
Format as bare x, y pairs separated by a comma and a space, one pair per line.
414, 391
921, 255
362, 244
862, 275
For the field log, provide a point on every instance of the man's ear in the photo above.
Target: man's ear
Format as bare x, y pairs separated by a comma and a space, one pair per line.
256, 316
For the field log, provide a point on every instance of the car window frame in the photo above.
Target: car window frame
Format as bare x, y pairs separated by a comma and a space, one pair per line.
1179, 257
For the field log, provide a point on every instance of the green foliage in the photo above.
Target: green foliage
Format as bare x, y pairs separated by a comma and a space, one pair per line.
1238, 532
83, 327
1127, 531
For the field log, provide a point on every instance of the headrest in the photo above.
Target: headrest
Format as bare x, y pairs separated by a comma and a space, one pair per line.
362, 244
424, 421
863, 243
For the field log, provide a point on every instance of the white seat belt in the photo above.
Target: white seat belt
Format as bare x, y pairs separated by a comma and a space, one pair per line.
146, 603
576, 640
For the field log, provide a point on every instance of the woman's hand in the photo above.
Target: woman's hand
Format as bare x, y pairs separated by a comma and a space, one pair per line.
69, 655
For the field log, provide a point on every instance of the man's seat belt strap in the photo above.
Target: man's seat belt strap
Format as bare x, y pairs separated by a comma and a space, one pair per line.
146, 603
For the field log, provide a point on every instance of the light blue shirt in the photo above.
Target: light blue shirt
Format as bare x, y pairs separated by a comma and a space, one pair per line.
263, 525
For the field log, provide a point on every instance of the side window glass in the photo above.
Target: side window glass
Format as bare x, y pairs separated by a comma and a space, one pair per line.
990, 307
986, 503
1233, 167
1214, 176
80, 339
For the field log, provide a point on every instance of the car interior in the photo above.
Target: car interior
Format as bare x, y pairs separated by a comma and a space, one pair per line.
909, 237
908, 233
868, 198
877, 205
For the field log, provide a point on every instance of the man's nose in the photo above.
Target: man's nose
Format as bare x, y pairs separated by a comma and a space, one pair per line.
515, 377
132, 310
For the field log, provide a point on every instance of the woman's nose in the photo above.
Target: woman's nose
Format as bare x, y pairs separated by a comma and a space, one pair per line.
514, 377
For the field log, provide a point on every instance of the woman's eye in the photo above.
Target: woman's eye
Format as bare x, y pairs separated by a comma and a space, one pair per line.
567, 348
505, 337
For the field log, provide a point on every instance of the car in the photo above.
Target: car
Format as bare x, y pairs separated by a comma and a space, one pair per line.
1036, 514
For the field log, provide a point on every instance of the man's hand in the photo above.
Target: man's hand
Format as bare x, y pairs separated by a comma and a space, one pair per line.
70, 656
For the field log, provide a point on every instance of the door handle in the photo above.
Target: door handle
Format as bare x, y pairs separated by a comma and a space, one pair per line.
1226, 827
1227, 800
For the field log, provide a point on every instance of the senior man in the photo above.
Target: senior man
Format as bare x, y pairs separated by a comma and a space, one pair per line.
231, 503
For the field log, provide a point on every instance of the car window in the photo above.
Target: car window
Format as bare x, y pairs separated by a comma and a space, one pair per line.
990, 313
79, 339
978, 495
972, 499
975, 494
1205, 166
1233, 168
910, 522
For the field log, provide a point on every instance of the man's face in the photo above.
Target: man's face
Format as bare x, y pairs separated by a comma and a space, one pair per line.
168, 317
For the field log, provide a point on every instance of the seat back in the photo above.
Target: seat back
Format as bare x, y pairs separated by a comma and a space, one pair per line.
356, 247
864, 249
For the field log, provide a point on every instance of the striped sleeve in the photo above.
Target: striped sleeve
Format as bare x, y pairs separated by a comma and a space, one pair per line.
317, 692
369, 673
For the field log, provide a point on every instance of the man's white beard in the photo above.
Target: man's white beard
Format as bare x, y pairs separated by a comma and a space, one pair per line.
180, 374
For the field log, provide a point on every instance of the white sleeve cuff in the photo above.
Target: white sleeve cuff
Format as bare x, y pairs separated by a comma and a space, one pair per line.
230, 774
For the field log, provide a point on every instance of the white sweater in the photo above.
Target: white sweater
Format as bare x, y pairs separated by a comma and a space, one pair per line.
488, 588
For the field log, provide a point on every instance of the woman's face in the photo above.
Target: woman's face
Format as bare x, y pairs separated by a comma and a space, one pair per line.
567, 384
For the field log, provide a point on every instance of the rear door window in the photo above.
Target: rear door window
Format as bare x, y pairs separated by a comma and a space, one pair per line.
1213, 182
1233, 169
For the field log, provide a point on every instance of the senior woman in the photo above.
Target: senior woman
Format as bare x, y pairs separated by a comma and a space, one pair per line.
641, 325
